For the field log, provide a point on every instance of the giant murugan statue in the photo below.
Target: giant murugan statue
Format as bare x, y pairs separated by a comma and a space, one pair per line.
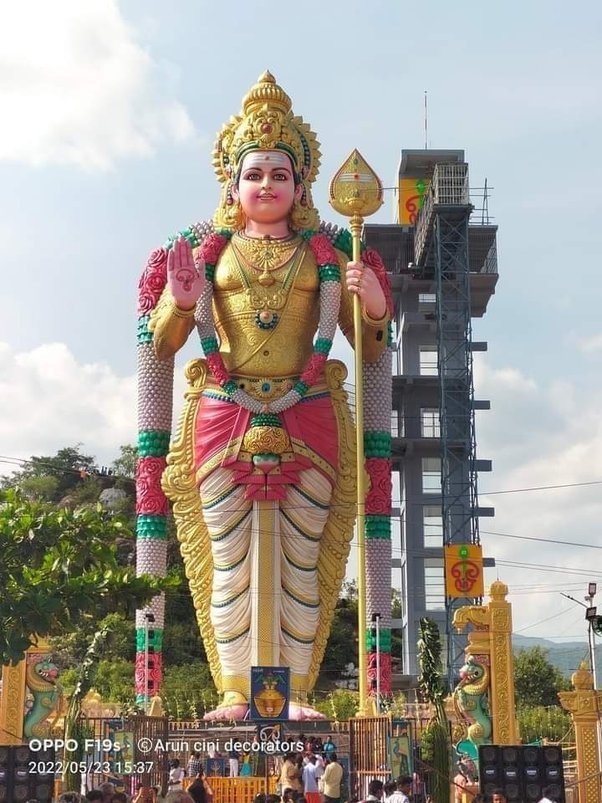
261, 470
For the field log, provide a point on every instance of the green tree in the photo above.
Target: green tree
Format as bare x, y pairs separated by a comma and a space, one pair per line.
435, 744
188, 691
86, 492
59, 570
341, 647
114, 681
69, 649
536, 680
539, 723
39, 488
182, 643
340, 704
68, 467
124, 466
112, 678
75, 728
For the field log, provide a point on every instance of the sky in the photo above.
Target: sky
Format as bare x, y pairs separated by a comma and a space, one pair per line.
109, 111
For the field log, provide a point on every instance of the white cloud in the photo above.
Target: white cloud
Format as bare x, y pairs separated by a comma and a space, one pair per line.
49, 401
76, 87
590, 345
538, 436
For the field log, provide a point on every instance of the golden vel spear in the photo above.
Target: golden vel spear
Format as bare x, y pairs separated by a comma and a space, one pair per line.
356, 192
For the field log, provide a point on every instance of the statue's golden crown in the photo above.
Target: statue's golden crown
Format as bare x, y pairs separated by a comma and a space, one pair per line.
266, 122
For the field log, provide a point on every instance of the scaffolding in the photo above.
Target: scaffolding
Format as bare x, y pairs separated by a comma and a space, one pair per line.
442, 252
442, 258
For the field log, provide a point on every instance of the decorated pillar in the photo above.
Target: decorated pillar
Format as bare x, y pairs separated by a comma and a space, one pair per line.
501, 698
490, 645
584, 704
155, 380
377, 450
31, 697
12, 704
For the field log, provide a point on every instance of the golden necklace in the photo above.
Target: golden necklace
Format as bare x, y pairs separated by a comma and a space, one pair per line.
265, 254
267, 300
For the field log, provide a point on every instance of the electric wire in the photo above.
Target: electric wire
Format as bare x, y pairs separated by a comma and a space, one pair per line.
20, 462
74, 471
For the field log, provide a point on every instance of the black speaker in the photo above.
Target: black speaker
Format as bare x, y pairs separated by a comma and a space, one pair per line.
25, 774
521, 772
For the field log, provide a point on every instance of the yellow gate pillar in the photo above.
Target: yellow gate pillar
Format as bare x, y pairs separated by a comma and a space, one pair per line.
583, 704
33, 678
502, 671
12, 704
490, 642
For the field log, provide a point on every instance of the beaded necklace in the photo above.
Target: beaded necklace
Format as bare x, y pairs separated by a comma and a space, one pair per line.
330, 299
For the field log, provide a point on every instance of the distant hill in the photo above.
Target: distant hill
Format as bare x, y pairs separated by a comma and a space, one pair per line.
566, 656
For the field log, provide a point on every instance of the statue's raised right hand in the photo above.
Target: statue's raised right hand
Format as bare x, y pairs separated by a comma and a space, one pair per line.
185, 276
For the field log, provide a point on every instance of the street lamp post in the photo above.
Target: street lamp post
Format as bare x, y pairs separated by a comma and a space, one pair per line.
149, 618
376, 623
590, 615
591, 619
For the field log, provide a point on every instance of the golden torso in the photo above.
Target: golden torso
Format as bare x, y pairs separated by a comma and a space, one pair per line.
266, 306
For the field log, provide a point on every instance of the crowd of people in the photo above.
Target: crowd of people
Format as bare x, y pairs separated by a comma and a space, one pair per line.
292, 788
312, 775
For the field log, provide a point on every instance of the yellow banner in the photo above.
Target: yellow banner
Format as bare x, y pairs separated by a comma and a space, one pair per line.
464, 571
411, 198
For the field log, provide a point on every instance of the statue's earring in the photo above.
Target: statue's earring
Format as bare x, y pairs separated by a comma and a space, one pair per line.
237, 219
303, 215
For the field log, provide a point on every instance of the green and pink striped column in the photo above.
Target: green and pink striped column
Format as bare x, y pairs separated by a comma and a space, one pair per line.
155, 383
155, 404
377, 384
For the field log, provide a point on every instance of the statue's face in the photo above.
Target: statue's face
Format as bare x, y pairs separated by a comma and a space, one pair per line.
266, 188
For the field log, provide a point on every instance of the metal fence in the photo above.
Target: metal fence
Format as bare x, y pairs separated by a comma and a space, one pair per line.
449, 187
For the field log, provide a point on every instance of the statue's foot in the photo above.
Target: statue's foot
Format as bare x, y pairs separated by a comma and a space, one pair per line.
233, 706
297, 711
228, 712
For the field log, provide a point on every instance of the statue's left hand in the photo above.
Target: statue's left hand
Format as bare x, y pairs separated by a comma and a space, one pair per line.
185, 277
363, 282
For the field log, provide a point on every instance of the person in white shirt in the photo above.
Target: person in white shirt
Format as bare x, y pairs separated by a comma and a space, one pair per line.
310, 781
176, 775
375, 790
404, 789
548, 795
319, 766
